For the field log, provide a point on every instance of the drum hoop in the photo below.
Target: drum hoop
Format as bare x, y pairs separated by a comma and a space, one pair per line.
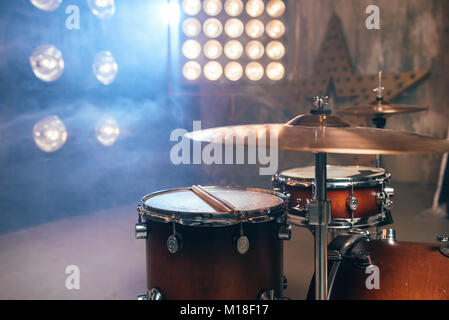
338, 183
214, 219
340, 223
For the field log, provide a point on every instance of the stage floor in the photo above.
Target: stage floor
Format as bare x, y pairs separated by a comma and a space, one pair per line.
112, 262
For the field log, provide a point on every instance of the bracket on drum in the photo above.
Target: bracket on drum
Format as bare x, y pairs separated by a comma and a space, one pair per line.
153, 294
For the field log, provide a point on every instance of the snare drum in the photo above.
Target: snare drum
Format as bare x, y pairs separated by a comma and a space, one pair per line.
194, 252
360, 196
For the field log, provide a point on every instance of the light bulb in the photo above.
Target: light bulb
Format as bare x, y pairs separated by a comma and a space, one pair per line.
212, 7
212, 49
234, 7
49, 134
275, 50
213, 70
47, 63
107, 130
191, 27
212, 27
254, 71
105, 68
191, 49
233, 71
254, 49
191, 7
46, 5
254, 28
233, 49
275, 8
275, 71
254, 8
275, 29
191, 70
103, 9
234, 28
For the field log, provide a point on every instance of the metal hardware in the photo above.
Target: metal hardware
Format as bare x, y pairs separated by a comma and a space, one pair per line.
284, 282
141, 231
444, 247
174, 242
388, 234
352, 202
242, 242
153, 294
267, 295
284, 231
385, 197
320, 103
315, 207
334, 255
362, 260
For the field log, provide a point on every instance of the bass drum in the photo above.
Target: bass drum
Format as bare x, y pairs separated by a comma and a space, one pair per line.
196, 253
405, 270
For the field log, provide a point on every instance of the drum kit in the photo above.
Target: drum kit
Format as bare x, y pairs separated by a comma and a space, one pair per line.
227, 242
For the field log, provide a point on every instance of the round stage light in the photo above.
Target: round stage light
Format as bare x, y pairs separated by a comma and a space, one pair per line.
234, 28
212, 7
107, 130
275, 71
103, 9
275, 8
213, 70
233, 49
275, 29
49, 134
191, 70
212, 27
46, 5
105, 68
275, 50
191, 27
191, 7
234, 7
254, 28
191, 49
47, 63
254, 49
233, 71
254, 8
254, 71
212, 49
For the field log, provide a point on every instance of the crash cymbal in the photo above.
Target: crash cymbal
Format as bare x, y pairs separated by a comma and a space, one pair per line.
323, 133
380, 109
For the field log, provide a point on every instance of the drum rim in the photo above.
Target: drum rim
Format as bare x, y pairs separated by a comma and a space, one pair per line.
216, 219
332, 182
340, 223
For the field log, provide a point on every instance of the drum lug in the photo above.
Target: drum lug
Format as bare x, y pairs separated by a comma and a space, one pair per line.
141, 231
241, 243
153, 294
174, 241
284, 231
352, 203
444, 247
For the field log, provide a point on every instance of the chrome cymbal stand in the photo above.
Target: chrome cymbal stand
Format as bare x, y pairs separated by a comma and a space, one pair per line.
379, 122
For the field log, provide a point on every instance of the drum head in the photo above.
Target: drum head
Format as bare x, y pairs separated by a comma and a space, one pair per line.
337, 176
185, 207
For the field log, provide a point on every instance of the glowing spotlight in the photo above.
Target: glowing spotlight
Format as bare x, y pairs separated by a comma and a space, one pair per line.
255, 8
212, 7
275, 50
47, 63
275, 71
191, 70
191, 49
234, 28
275, 29
107, 130
105, 68
103, 9
275, 8
233, 49
191, 7
46, 5
233, 71
254, 50
191, 27
234, 7
49, 134
212, 27
170, 13
213, 70
254, 28
213, 49
254, 71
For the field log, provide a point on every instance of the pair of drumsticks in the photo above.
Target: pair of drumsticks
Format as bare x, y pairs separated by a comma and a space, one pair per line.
217, 203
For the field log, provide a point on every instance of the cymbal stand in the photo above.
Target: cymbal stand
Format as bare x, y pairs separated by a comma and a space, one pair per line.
379, 122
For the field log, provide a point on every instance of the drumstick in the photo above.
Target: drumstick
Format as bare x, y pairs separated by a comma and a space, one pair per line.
213, 201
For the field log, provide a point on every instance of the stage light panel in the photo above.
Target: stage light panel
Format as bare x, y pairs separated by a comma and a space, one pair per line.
234, 7
47, 63
213, 49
